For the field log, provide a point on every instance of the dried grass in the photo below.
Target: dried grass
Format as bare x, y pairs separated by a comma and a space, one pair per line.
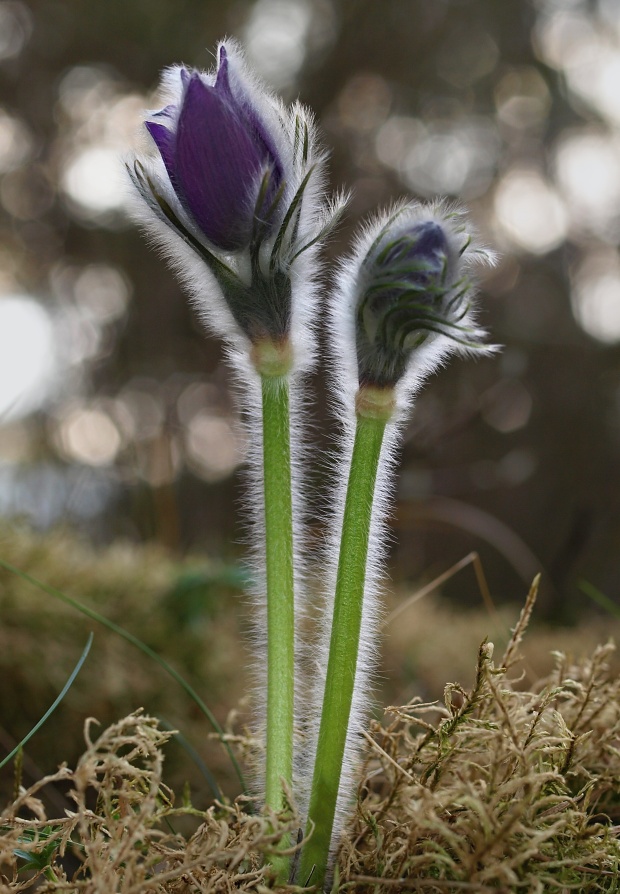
498, 789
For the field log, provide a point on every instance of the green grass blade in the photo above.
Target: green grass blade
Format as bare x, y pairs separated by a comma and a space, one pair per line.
187, 746
54, 705
600, 598
115, 628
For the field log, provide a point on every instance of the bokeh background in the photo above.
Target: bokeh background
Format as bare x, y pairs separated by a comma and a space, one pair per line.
116, 416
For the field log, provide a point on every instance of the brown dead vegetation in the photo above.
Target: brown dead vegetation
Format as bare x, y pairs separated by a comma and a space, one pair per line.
498, 789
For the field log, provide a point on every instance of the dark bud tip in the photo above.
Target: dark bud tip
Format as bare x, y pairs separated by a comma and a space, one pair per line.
408, 278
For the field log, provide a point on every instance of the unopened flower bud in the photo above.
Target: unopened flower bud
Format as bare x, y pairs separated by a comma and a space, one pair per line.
409, 292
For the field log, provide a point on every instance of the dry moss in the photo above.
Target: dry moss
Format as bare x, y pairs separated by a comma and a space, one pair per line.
120, 828
498, 789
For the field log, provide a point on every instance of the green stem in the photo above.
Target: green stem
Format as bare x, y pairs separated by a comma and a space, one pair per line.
344, 647
280, 600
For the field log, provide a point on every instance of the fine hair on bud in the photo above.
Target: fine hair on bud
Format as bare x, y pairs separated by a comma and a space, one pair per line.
405, 301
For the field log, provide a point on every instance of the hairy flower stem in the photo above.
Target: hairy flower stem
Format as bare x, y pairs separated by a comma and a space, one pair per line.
344, 644
280, 595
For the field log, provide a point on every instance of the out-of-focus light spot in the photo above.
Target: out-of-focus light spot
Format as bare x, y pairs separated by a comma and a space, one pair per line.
513, 469
83, 90
93, 182
467, 56
15, 142
100, 292
364, 103
98, 108
15, 28
158, 460
88, 300
507, 406
213, 450
456, 158
214, 443
26, 193
560, 34
27, 356
529, 212
275, 36
588, 54
595, 296
117, 127
593, 74
588, 171
89, 436
517, 466
522, 98
99, 119
81, 339
141, 411
396, 137
200, 396
104, 290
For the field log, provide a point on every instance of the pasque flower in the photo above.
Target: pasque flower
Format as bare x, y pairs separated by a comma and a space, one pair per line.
404, 301
406, 297
234, 194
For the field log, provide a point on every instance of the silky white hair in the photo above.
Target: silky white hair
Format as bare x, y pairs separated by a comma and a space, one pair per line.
344, 384
294, 135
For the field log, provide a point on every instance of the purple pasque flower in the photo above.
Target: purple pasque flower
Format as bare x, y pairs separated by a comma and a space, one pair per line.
408, 296
233, 191
218, 153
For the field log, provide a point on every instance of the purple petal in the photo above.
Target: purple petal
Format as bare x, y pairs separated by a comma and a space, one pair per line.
164, 140
217, 164
255, 125
424, 242
263, 140
168, 112
222, 80
430, 240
